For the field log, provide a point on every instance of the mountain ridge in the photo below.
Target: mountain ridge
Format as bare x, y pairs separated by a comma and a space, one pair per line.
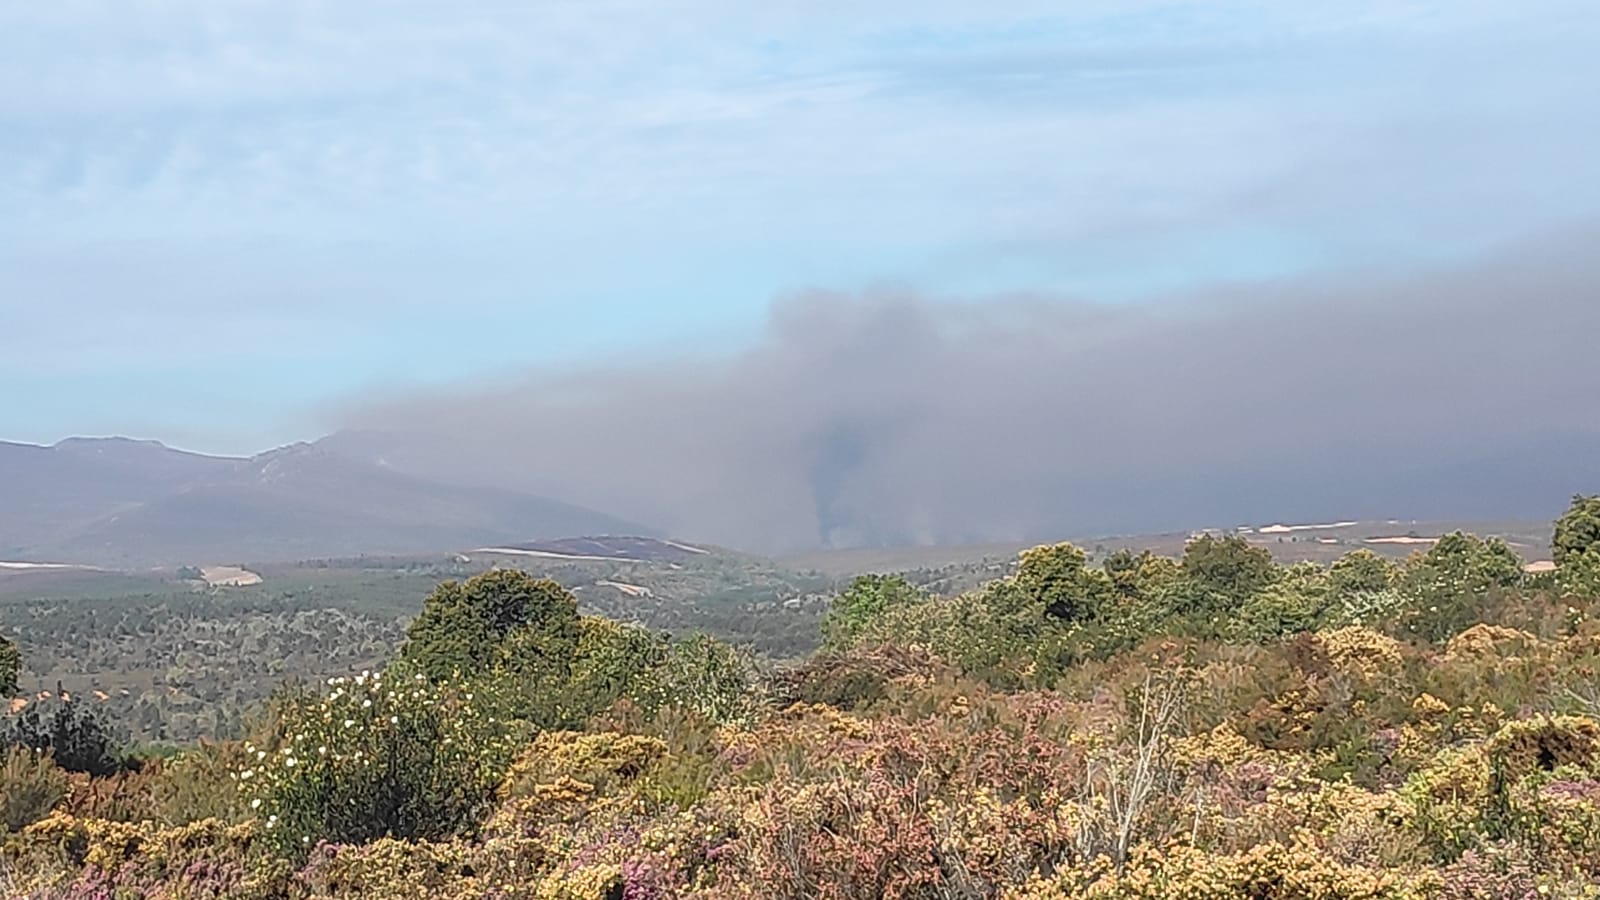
125, 502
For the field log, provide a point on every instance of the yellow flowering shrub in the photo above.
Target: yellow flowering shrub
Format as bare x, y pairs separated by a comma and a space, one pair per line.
1362, 651
1484, 640
602, 761
1269, 871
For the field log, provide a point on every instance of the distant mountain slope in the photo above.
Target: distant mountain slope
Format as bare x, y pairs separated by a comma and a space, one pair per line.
626, 548
48, 494
123, 503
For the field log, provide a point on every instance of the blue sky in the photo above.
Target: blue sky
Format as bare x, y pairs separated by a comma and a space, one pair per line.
221, 219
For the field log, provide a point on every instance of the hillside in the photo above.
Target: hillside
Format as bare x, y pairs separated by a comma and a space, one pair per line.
116, 502
1209, 725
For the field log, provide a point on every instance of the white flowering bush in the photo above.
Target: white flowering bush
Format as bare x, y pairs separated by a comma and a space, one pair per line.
376, 756
704, 675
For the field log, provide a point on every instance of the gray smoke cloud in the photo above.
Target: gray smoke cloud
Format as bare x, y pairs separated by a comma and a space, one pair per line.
886, 417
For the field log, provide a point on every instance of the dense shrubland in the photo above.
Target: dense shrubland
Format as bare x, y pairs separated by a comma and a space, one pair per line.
177, 662
1213, 726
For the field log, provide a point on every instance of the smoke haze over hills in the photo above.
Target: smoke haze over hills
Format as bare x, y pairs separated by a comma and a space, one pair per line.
786, 277
891, 417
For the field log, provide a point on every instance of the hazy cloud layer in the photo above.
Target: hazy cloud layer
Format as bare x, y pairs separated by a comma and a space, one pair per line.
891, 417
239, 208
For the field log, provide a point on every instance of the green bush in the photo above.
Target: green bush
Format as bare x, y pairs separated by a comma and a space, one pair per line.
1058, 580
1274, 613
10, 667
503, 618
865, 601
202, 783
75, 736
377, 757
1446, 587
1223, 572
30, 785
613, 661
1577, 532
705, 676
1361, 573
1579, 576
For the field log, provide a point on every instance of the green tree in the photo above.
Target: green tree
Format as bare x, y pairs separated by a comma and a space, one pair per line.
1580, 577
977, 631
1271, 614
1361, 572
1576, 548
1446, 585
1362, 590
502, 619
1578, 530
10, 667
1058, 580
1145, 583
1223, 572
613, 660
866, 600
1296, 602
1461, 563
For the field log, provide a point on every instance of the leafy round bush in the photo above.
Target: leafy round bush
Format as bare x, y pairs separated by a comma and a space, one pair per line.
379, 757
503, 618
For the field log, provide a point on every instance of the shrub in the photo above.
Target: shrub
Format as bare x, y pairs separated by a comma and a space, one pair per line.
1057, 579
502, 618
30, 785
94, 859
982, 633
867, 598
1361, 572
202, 783
1579, 576
597, 763
1274, 613
612, 661
1577, 532
75, 736
707, 676
1223, 572
1268, 871
373, 758
389, 868
127, 796
1496, 873
858, 677
10, 667
1447, 585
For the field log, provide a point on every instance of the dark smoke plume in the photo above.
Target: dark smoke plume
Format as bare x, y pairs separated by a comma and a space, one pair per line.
887, 417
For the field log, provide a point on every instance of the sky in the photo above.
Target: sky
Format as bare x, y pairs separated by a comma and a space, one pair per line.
222, 221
